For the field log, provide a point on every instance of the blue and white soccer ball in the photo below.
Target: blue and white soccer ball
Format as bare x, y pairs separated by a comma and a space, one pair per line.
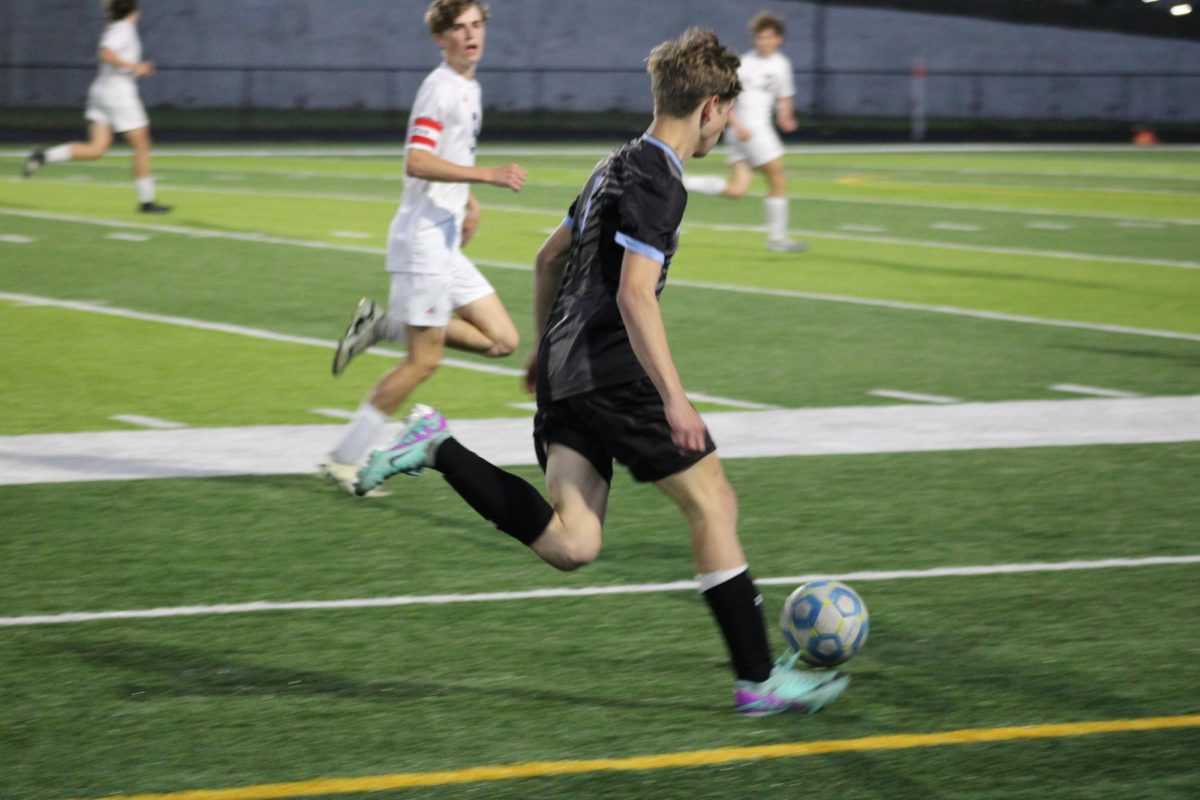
825, 622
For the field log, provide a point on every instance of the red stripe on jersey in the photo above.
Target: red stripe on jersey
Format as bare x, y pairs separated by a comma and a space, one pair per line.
426, 122
425, 140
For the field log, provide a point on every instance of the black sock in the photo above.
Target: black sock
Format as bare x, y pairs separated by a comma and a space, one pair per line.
737, 605
500, 497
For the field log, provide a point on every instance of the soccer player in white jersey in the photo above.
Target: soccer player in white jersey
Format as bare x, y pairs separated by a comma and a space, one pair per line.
114, 106
438, 298
766, 76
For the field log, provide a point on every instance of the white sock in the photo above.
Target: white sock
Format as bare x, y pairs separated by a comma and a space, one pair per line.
776, 209
57, 155
710, 580
364, 431
705, 184
145, 190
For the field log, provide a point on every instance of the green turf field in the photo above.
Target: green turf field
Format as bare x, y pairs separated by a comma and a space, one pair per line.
972, 276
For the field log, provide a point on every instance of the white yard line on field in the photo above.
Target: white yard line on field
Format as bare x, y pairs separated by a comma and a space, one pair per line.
914, 397
256, 333
154, 423
259, 238
844, 236
853, 430
1093, 391
586, 591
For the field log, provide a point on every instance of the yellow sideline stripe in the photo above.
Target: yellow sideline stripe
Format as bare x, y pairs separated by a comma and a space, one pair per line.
696, 758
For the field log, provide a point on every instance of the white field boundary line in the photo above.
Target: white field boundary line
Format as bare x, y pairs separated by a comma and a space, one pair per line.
328, 344
509, 150
259, 238
587, 591
842, 236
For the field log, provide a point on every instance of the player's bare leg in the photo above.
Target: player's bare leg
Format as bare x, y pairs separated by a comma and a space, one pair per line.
99, 140
740, 176
579, 496
708, 501
483, 326
776, 208
139, 140
425, 349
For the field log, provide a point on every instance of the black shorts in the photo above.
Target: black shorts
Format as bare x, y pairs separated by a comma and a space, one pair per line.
626, 423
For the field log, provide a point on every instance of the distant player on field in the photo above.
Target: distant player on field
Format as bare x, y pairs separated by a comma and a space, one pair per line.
766, 76
608, 389
438, 298
113, 105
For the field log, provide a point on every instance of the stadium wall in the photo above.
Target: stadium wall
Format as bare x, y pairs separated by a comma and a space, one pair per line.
580, 55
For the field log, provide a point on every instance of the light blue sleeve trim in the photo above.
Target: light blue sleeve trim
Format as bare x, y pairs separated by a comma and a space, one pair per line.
569, 221
641, 248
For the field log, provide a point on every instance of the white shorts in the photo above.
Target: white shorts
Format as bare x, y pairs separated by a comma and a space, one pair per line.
431, 278
762, 147
117, 105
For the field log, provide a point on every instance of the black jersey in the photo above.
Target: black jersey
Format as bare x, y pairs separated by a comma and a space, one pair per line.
634, 200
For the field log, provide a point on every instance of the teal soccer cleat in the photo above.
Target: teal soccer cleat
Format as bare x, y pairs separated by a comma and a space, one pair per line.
409, 450
789, 689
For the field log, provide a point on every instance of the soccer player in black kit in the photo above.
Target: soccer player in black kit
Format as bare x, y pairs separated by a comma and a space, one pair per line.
607, 387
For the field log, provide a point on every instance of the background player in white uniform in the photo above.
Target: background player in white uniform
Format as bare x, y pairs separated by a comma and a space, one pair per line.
766, 76
438, 297
113, 105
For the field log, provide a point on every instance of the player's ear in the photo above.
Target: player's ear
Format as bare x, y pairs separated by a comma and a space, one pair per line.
710, 108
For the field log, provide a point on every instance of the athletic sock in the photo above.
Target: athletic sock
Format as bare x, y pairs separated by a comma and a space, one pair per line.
503, 499
737, 606
145, 190
365, 430
776, 209
59, 154
705, 184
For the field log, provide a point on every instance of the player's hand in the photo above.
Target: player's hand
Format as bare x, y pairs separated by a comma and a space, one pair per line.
143, 70
687, 429
787, 124
743, 134
510, 176
531, 372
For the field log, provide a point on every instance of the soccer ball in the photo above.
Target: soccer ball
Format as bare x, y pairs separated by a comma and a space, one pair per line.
825, 622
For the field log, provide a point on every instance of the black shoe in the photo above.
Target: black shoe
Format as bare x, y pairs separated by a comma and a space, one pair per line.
36, 161
154, 208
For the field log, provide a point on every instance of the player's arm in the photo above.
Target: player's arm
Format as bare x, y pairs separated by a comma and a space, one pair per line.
548, 270
785, 114
429, 166
739, 130
643, 320
471, 221
140, 69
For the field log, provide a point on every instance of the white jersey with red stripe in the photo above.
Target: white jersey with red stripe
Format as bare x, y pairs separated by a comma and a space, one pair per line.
445, 120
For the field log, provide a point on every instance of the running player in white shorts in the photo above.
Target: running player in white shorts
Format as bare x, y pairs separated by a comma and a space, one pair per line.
766, 76
114, 106
438, 297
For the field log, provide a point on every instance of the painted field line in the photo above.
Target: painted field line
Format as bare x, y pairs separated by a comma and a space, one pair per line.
587, 591
153, 423
947, 226
914, 397
14, 238
258, 238
900, 305
256, 333
695, 758
236, 330
1093, 391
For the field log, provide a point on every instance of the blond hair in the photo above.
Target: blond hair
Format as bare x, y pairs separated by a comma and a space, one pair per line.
766, 21
440, 15
685, 72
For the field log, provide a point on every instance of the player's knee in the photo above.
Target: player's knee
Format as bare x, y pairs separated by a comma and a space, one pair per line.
504, 345
736, 191
576, 552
